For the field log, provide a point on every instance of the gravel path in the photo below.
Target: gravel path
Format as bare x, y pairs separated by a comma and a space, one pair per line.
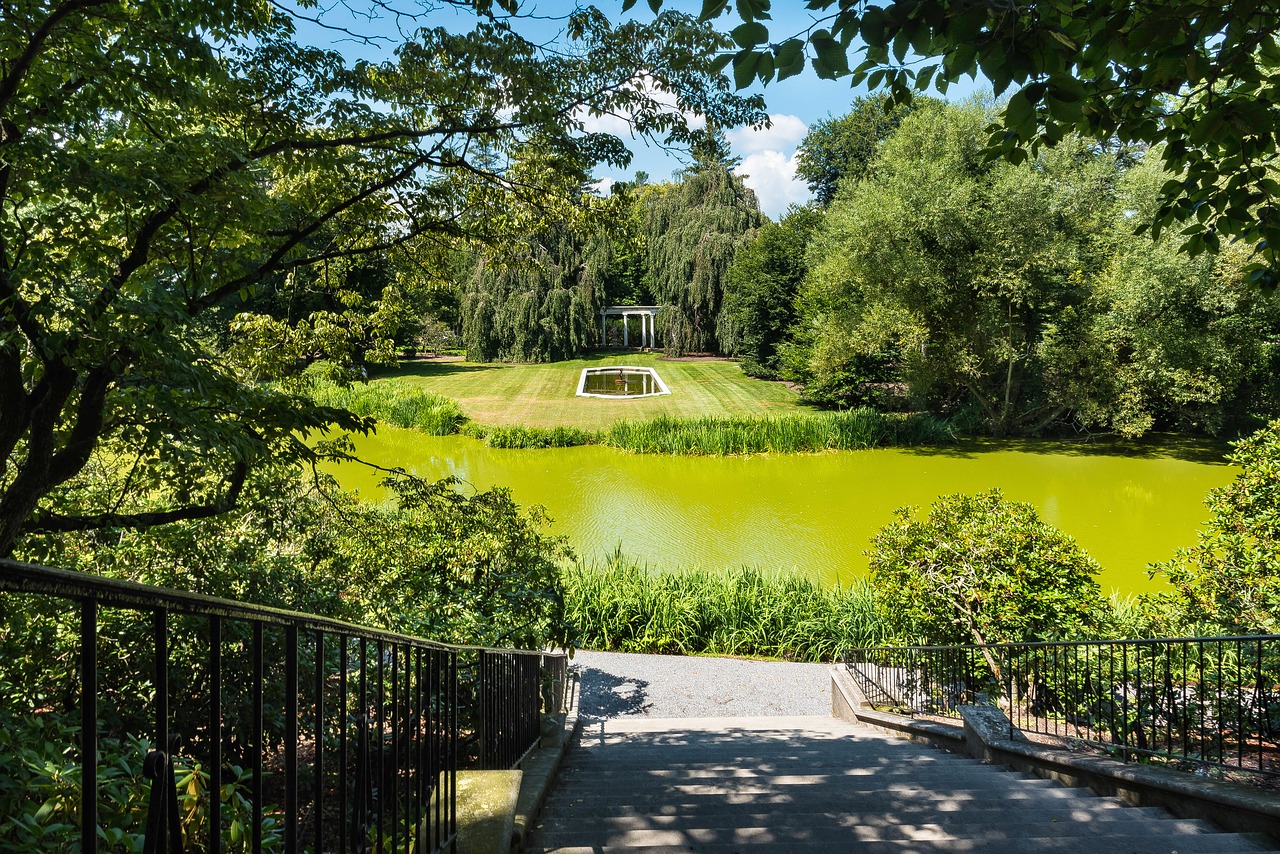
616, 684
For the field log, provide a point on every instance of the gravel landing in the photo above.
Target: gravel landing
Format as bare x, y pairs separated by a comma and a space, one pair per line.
616, 684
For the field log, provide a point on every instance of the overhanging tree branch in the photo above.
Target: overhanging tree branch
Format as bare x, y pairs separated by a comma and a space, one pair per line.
54, 523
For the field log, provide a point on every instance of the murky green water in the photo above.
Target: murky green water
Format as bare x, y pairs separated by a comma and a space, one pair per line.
817, 513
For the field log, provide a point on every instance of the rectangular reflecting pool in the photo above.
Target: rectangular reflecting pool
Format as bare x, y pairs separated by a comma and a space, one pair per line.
620, 381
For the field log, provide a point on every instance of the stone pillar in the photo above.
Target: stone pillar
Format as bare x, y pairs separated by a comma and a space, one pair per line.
604, 330
626, 341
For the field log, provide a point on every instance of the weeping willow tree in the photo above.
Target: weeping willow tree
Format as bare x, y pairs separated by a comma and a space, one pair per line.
537, 300
694, 230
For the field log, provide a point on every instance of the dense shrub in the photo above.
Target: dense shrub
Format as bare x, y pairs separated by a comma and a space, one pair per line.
981, 569
1229, 581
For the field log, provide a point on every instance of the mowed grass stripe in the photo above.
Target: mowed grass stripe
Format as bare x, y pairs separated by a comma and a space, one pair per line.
543, 395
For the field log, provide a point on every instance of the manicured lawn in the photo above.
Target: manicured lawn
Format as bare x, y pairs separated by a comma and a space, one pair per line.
543, 395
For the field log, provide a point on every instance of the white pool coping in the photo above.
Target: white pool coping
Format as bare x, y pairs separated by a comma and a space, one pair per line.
582, 382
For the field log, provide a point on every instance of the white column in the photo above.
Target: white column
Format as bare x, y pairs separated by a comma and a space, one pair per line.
626, 340
604, 331
653, 331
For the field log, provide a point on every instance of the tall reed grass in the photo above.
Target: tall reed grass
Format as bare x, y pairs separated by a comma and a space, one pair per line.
531, 437
621, 605
851, 430
396, 403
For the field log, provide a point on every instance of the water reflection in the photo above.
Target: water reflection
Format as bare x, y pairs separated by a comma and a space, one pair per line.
817, 513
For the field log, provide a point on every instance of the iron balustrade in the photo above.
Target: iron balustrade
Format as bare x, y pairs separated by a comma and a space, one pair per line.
1212, 701
354, 734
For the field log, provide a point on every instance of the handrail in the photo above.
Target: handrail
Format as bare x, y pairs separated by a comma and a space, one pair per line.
384, 719
1208, 701
18, 577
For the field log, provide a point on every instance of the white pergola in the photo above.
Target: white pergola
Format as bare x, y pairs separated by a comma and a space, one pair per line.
648, 315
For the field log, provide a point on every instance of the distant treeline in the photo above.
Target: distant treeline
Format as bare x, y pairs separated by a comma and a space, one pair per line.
1011, 299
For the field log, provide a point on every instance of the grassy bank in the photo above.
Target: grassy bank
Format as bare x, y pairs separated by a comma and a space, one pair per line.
622, 606
544, 395
405, 405
394, 403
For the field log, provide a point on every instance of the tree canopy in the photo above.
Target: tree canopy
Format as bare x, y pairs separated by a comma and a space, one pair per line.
1016, 297
1196, 81
845, 146
159, 163
694, 229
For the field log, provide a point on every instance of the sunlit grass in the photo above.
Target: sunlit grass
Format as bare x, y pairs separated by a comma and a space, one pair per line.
544, 395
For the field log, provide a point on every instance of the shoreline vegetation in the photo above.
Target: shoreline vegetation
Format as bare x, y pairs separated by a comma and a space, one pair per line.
407, 406
622, 605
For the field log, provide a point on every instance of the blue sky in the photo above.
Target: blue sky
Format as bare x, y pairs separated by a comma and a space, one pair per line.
768, 155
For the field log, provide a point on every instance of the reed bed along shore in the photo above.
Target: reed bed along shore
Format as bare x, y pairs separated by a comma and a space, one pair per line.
531, 437
398, 404
405, 405
851, 430
621, 605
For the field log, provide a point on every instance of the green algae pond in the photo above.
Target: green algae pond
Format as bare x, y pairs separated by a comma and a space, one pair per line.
1128, 504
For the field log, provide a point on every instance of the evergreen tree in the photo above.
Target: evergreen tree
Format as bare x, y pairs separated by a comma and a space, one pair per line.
694, 231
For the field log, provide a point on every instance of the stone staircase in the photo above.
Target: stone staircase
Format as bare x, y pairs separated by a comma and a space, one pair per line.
810, 784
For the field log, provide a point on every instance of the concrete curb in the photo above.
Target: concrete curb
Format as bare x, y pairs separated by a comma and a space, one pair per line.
1230, 806
540, 769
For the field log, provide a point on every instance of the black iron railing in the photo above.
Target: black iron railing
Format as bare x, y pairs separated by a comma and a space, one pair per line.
1202, 701
294, 732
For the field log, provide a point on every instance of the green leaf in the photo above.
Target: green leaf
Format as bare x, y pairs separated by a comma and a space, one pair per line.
744, 68
872, 25
627, 4
711, 9
1019, 114
790, 58
750, 34
925, 76
764, 67
833, 57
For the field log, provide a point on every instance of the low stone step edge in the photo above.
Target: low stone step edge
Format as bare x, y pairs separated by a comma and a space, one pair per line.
541, 767
1234, 807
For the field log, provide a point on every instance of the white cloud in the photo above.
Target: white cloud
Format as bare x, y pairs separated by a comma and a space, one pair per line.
620, 124
783, 134
772, 174
603, 186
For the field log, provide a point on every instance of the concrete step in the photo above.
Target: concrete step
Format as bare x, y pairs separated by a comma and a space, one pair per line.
679, 818
769, 786
1221, 843
905, 807
1041, 791
838, 833
963, 778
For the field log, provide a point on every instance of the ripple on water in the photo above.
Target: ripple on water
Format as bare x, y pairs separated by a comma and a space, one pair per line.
817, 513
